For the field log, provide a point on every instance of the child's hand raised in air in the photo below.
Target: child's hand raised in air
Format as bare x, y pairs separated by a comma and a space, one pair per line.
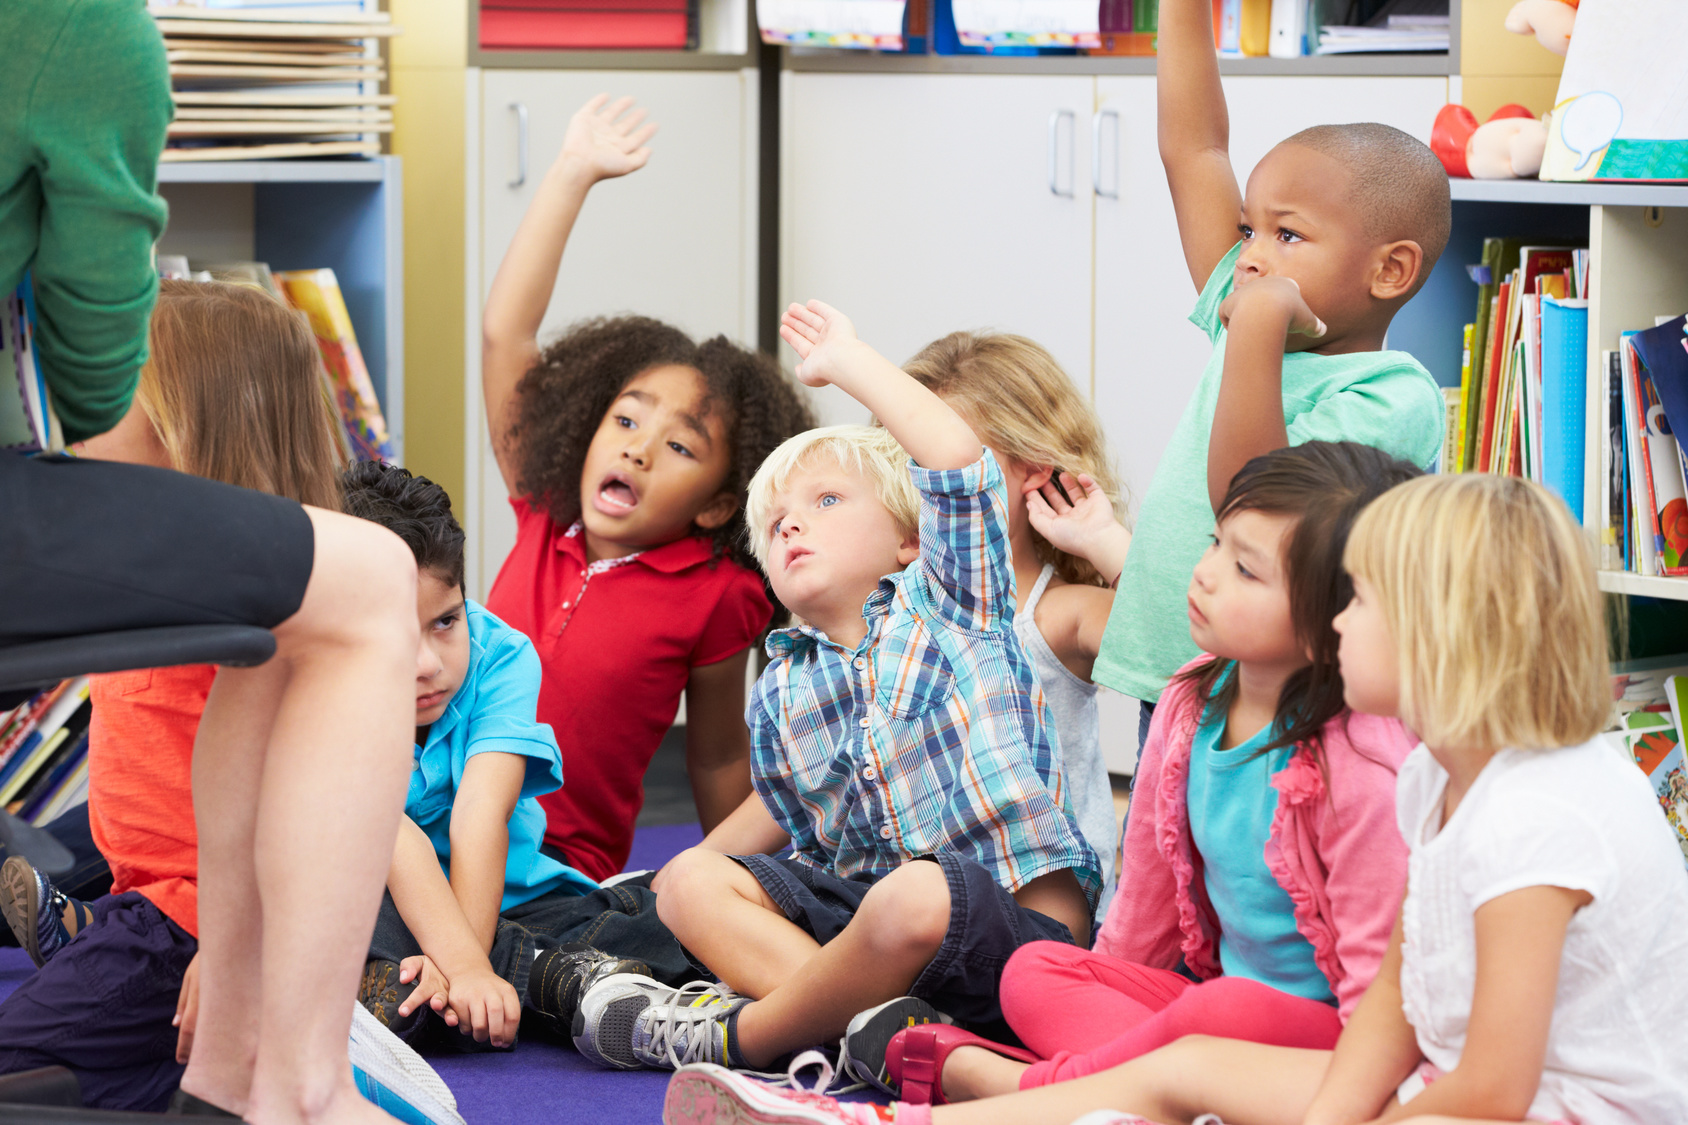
823, 339
1272, 295
1081, 523
605, 139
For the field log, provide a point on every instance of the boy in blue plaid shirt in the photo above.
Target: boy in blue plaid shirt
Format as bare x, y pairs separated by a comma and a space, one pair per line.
906, 775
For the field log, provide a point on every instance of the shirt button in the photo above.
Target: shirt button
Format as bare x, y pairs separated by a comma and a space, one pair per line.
860, 662
870, 773
866, 721
565, 605
885, 832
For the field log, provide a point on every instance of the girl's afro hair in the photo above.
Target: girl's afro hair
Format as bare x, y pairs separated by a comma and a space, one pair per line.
562, 399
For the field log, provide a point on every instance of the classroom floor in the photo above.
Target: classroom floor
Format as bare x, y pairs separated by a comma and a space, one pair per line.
537, 1078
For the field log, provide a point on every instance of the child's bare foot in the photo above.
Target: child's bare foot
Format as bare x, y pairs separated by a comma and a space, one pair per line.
974, 1072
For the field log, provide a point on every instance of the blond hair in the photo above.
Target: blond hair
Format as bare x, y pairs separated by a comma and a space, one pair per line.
233, 389
1014, 394
869, 450
1488, 588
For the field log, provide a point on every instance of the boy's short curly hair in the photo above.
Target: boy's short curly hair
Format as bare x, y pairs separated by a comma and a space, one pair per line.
869, 450
562, 399
414, 508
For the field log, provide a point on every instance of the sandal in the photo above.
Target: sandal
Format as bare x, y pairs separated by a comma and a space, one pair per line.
915, 1059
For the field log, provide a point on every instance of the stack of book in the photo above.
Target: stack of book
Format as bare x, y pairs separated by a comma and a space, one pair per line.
286, 80
1652, 701
571, 25
1397, 33
27, 421
1643, 519
44, 753
1522, 392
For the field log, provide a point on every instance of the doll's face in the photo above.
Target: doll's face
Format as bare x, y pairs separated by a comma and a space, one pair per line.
1300, 221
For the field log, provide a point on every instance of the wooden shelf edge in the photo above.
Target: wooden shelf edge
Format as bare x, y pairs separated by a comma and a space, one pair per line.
1622, 582
1538, 191
369, 170
1334, 66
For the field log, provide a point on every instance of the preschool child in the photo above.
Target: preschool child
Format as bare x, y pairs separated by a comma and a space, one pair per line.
225, 361
1262, 868
1066, 541
478, 924
1339, 227
910, 828
625, 448
1537, 970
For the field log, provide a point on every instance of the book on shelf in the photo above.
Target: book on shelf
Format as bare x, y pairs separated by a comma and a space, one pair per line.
1644, 527
572, 25
1655, 743
274, 81
317, 294
28, 423
45, 735
849, 24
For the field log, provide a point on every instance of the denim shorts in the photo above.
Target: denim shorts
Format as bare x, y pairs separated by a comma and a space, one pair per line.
986, 926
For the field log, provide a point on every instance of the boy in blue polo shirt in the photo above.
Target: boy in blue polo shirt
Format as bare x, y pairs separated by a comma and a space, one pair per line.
475, 913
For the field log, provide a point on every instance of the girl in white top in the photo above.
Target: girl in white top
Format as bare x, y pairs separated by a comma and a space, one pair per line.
1539, 970
1068, 548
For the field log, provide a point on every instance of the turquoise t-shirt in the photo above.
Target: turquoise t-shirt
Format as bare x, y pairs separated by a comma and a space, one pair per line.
493, 711
1383, 399
1231, 805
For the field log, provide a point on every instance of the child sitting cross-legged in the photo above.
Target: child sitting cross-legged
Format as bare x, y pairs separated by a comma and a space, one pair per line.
477, 923
901, 750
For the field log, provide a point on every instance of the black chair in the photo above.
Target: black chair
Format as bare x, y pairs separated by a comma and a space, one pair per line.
27, 667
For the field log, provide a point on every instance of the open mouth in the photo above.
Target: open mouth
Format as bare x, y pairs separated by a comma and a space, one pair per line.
797, 555
616, 496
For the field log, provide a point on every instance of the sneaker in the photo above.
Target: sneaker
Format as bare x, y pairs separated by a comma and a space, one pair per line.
626, 1021
395, 1078
381, 995
563, 974
41, 917
862, 1053
703, 1094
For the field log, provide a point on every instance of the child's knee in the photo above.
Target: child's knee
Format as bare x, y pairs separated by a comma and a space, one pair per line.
692, 881
1028, 974
907, 912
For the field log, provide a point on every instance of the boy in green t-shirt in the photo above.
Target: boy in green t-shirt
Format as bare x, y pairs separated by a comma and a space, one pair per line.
1340, 226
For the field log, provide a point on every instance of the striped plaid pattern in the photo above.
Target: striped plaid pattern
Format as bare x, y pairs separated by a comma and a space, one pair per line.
932, 734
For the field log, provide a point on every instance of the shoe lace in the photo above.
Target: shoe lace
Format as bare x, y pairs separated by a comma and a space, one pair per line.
687, 1021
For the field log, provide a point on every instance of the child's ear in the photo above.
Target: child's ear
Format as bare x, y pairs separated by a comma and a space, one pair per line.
1397, 269
1038, 475
717, 512
909, 549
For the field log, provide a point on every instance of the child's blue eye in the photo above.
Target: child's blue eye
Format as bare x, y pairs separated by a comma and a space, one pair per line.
775, 530
828, 500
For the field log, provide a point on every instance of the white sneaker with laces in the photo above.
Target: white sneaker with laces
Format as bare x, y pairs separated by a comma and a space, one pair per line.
627, 1021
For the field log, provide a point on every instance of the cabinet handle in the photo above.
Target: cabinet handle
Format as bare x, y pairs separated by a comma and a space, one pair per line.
1054, 153
521, 144
1096, 153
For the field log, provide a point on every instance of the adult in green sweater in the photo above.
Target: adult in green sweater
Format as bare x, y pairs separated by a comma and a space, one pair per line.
300, 765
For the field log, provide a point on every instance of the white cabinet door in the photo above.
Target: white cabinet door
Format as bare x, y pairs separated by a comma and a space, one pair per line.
1148, 355
675, 240
923, 204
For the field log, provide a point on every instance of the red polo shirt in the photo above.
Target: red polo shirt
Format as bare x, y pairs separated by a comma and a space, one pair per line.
618, 640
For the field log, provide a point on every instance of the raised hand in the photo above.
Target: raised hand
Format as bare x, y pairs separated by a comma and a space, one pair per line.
606, 139
1276, 294
1081, 523
822, 337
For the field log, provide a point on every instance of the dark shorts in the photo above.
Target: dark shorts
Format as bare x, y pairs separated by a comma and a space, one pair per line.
103, 1005
986, 926
95, 546
620, 920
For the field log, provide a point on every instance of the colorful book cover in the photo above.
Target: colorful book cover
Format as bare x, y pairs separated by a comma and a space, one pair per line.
1670, 491
1452, 403
316, 293
1659, 754
28, 423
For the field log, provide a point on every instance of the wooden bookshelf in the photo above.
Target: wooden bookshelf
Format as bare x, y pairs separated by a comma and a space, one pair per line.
304, 214
727, 40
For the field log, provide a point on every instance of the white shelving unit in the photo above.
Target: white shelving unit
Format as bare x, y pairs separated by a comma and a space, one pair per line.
305, 214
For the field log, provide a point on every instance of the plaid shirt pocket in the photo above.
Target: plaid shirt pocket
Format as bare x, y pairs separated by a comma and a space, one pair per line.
914, 676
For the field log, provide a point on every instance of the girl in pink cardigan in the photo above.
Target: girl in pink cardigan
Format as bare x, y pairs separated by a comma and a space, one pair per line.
1262, 867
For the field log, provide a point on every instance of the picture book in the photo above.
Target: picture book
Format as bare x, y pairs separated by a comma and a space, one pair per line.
1657, 749
316, 293
1621, 112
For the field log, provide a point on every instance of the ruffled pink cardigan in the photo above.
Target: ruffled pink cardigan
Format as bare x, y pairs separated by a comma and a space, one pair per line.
1342, 861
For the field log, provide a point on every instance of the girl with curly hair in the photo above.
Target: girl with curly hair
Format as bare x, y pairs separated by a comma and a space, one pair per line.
626, 447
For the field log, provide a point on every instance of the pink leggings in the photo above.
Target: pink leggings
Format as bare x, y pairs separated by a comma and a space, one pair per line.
1083, 1012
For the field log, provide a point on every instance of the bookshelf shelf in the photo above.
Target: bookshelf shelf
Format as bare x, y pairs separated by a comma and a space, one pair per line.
1621, 582
1333, 66
274, 171
1582, 195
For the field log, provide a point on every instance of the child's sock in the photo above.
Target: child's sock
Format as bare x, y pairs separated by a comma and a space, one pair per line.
906, 1113
735, 1059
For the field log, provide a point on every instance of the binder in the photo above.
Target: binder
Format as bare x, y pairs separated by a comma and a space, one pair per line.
1564, 398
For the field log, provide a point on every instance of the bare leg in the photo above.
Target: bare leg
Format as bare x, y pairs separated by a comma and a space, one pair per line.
1245, 1083
287, 912
973, 1072
896, 932
717, 909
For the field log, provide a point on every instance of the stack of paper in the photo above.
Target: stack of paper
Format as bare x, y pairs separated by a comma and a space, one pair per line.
1400, 33
287, 79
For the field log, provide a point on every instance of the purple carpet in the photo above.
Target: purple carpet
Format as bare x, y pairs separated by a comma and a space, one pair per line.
535, 1080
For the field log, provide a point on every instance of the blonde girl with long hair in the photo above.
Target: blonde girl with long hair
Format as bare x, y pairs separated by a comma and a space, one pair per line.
1063, 527
230, 392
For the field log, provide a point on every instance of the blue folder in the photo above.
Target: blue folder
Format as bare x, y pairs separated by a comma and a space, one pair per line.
1564, 398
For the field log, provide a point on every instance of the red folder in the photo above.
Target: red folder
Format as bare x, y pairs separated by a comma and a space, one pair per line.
601, 28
